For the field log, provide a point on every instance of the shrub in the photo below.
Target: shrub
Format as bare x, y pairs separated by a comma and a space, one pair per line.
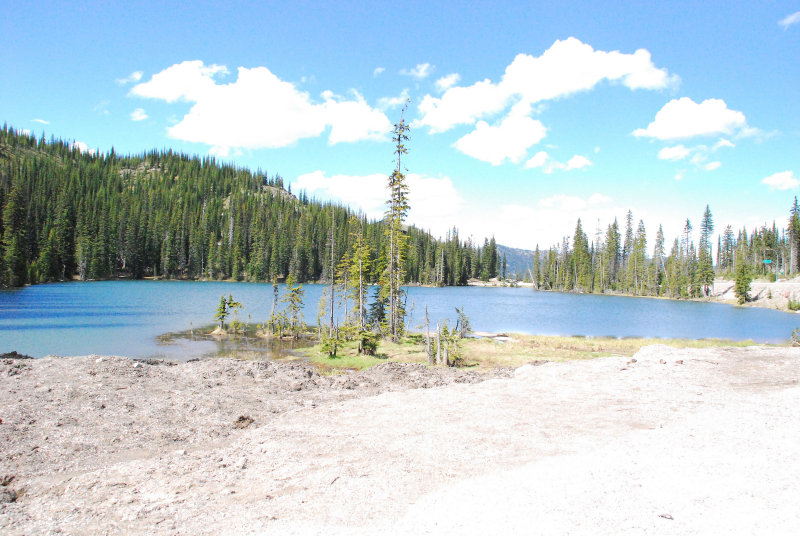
368, 343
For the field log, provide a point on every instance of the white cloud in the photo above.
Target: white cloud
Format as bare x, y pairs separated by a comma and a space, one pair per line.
138, 114
354, 120
82, 147
785, 180
563, 202
508, 140
567, 67
549, 165
435, 202
378, 71
684, 118
422, 70
461, 106
258, 110
680, 175
723, 143
447, 81
711, 166
134, 77
678, 152
40, 121
578, 162
385, 103
547, 221
189, 81
789, 20
599, 199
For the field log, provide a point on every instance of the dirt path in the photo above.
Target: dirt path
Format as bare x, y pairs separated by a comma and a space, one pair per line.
678, 441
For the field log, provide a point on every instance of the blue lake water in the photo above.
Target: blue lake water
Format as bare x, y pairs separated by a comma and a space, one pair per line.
126, 317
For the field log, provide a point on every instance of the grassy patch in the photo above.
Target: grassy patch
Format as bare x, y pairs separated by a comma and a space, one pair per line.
407, 351
527, 348
487, 353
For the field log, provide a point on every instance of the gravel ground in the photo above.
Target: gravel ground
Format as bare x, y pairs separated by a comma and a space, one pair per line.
669, 442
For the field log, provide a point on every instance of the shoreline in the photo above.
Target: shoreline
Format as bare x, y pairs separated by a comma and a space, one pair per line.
764, 294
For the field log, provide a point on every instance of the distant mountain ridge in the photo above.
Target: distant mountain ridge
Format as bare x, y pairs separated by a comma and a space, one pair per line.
518, 261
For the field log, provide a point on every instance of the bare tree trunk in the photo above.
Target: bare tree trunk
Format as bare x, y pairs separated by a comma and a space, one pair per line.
428, 338
438, 345
333, 269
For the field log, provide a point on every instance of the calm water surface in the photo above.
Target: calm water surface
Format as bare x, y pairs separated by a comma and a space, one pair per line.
126, 317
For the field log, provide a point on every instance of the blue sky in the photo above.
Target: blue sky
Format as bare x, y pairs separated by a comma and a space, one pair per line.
525, 116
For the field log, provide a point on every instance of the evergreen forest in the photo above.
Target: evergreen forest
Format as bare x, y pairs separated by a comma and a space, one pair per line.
68, 214
619, 260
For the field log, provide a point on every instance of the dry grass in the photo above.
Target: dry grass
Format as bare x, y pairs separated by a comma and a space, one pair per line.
488, 353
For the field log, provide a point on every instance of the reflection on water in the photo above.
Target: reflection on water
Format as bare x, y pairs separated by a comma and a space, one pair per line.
200, 343
127, 317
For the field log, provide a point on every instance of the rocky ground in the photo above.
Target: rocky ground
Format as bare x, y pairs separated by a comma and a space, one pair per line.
772, 295
671, 441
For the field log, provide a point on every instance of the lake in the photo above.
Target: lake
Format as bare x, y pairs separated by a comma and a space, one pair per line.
126, 317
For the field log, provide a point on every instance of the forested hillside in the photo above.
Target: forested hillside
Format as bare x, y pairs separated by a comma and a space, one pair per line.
69, 214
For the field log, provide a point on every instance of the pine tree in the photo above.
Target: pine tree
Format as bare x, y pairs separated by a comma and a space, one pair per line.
358, 270
742, 284
395, 217
794, 237
705, 258
13, 239
294, 307
222, 312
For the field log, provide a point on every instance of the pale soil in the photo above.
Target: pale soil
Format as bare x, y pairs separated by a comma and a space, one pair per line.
762, 293
675, 442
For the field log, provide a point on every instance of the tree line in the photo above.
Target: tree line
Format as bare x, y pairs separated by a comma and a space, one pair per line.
619, 260
68, 214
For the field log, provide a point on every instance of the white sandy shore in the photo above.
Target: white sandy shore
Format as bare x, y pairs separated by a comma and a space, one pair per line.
675, 442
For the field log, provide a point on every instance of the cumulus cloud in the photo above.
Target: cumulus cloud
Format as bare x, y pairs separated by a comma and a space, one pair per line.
386, 103
435, 202
683, 118
723, 143
461, 106
138, 114
700, 155
785, 180
599, 199
447, 81
789, 20
258, 110
40, 121
678, 152
508, 140
134, 77
378, 71
567, 67
549, 165
422, 70
82, 147
578, 162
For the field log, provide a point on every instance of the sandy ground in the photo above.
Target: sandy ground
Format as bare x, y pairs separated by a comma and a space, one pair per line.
762, 293
670, 442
